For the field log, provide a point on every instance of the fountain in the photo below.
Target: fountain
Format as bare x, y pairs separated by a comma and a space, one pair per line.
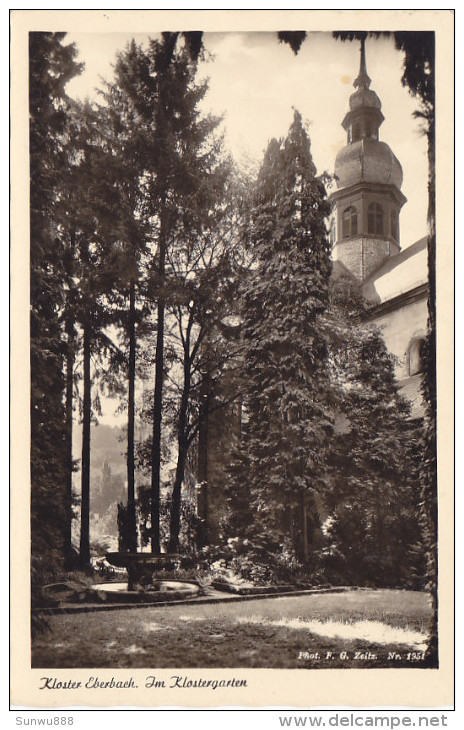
149, 578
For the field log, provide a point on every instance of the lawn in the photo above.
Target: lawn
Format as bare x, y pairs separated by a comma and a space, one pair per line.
325, 630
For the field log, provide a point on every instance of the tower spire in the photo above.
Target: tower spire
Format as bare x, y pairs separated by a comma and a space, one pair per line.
367, 203
362, 81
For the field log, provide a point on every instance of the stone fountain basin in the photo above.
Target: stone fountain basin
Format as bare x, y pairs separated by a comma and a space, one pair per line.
148, 568
165, 590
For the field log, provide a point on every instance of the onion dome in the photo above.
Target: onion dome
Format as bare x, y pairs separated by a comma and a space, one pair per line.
369, 161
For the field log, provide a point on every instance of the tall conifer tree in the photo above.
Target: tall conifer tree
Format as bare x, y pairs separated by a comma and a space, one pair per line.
51, 65
95, 276
127, 163
285, 374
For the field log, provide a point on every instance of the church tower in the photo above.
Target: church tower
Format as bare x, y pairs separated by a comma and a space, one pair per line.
364, 222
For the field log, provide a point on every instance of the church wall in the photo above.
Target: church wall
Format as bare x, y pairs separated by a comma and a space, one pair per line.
399, 328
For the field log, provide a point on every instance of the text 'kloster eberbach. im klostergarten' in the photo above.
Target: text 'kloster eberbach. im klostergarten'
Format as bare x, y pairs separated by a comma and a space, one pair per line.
151, 682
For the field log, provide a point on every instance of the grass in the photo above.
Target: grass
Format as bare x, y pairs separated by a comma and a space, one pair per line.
291, 632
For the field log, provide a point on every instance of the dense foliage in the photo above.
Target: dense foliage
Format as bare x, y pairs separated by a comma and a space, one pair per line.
276, 473
372, 497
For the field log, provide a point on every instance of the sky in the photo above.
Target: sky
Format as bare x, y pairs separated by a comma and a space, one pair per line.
254, 82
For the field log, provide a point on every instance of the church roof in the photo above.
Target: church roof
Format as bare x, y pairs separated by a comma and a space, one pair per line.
399, 274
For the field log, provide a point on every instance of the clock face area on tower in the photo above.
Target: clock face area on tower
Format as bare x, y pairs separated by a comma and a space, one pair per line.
364, 222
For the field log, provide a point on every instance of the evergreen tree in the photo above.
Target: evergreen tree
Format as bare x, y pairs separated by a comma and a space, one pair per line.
51, 65
373, 492
277, 470
127, 163
94, 280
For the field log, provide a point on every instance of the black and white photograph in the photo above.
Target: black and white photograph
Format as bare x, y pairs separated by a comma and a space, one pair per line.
233, 345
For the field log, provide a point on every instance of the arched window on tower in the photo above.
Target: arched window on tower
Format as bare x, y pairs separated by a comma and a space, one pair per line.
350, 222
416, 356
394, 224
375, 219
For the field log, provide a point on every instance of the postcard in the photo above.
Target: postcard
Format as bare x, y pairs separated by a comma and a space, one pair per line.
232, 358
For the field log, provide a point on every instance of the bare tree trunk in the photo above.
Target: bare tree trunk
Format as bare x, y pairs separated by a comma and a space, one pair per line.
158, 410
131, 515
182, 443
70, 344
85, 465
304, 527
70, 358
176, 498
202, 499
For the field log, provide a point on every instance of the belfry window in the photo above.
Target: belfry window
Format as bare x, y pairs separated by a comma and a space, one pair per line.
350, 222
375, 219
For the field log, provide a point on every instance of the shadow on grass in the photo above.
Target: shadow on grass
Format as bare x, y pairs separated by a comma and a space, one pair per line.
366, 629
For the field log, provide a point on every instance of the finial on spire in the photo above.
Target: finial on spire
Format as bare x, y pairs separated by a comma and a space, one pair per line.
362, 81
